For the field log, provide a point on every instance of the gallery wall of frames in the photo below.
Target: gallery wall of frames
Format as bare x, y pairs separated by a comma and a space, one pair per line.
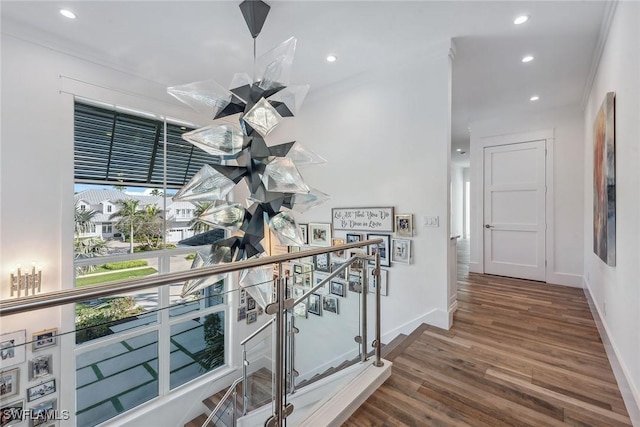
348, 225
28, 379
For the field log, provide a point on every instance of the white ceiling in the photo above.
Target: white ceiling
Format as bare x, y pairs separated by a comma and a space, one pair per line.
174, 42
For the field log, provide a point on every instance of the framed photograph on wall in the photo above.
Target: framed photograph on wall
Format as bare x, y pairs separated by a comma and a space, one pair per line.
43, 413
12, 348
12, 413
337, 288
404, 225
382, 248
304, 230
321, 263
383, 281
300, 310
330, 304
9, 383
401, 251
315, 304
252, 316
336, 242
41, 390
319, 234
44, 338
355, 283
354, 237
343, 274
358, 264
40, 367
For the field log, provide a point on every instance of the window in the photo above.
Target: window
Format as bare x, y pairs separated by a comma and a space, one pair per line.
115, 148
109, 208
107, 228
83, 208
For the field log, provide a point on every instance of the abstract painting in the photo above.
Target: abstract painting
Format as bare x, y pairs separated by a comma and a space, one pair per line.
604, 182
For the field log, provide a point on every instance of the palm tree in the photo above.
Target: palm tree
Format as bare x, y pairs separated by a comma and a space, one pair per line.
156, 192
152, 224
129, 217
196, 224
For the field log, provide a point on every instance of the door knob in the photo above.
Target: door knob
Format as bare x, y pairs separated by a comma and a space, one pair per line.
488, 226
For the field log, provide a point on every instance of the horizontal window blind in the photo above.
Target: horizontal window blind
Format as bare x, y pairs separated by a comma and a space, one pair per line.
116, 148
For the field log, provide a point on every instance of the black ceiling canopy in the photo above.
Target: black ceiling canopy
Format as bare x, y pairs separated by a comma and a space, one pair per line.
255, 14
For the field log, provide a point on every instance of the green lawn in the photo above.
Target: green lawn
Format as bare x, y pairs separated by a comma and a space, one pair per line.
115, 276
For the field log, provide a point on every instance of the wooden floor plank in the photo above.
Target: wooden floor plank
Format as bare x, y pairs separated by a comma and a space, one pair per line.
520, 353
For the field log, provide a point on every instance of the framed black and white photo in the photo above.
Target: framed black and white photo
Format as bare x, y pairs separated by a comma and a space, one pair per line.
315, 304
321, 263
304, 230
337, 288
251, 303
383, 281
319, 234
307, 275
318, 277
41, 390
252, 316
401, 251
242, 313
12, 348
9, 383
40, 367
355, 283
43, 413
330, 304
354, 237
343, 274
45, 338
404, 225
382, 248
11, 413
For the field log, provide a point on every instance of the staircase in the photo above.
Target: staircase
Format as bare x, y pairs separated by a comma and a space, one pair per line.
259, 384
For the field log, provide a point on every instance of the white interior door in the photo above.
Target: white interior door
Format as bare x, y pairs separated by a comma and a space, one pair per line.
514, 210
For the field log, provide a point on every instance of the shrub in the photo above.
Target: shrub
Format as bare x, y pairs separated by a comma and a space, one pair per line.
190, 257
126, 264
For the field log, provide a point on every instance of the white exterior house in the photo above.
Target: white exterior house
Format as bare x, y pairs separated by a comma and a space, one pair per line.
104, 203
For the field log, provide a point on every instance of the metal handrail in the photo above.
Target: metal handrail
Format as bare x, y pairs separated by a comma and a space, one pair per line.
257, 331
67, 296
231, 389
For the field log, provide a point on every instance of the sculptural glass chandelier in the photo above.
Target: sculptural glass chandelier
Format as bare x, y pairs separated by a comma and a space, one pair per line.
270, 172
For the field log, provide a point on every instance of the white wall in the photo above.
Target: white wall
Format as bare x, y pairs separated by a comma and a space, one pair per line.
36, 178
615, 290
386, 137
567, 238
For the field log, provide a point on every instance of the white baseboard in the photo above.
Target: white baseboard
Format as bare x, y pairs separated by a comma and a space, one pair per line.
629, 392
475, 267
435, 317
565, 279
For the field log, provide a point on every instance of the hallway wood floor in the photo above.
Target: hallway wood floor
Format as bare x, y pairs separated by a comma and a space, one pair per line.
520, 353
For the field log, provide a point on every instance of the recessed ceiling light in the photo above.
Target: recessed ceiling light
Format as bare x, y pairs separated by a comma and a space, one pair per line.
67, 14
521, 19
527, 58
458, 149
534, 98
332, 58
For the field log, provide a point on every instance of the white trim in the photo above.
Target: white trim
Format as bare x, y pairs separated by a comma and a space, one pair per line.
435, 317
478, 144
630, 394
565, 279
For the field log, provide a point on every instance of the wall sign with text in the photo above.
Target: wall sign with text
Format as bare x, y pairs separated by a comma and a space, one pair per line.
362, 219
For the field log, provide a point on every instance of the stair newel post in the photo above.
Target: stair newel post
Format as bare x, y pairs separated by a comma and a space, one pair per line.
363, 323
234, 415
378, 343
292, 353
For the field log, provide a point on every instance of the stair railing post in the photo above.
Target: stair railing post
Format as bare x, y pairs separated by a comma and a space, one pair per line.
292, 353
280, 332
378, 343
245, 381
365, 288
234, 415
